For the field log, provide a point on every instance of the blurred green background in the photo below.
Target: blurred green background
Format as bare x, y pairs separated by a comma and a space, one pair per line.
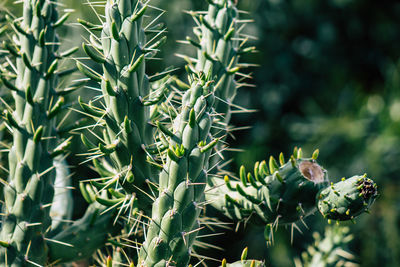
328, 78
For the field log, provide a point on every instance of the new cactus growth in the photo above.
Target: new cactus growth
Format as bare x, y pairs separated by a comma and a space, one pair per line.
243, 262
155, 142
348, 198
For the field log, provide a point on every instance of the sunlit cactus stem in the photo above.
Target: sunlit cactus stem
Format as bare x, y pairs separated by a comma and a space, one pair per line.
219, 46
122, 51
29, 191
174, 226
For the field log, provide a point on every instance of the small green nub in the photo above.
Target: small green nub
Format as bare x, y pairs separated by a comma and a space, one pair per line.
244, 254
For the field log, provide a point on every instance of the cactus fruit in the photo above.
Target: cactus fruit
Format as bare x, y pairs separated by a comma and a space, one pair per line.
278, 194
348, 198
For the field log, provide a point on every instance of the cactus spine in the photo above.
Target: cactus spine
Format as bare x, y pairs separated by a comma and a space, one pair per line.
29, 192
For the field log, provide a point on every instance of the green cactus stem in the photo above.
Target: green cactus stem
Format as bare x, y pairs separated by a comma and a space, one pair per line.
348, 198
219, 44
81, 239
274, 194
174, 224
29, 190
122, 51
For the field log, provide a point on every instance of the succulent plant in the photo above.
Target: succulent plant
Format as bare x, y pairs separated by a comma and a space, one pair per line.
154, 140
347, 198
330, 249
278, 194
33, 81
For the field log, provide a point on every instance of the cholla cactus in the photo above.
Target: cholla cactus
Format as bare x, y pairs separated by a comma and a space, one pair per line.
122, 51
348, 198
278, 194
29, 191
174, 225
287, 193
151, 142
329, 250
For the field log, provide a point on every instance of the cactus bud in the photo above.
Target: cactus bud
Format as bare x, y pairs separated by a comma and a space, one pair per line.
348, 198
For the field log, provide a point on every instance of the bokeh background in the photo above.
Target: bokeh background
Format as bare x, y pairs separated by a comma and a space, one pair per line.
328, 77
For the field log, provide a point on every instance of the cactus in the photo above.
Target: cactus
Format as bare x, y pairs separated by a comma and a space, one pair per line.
347, 198
278, 194
174, 225
287, 193
219, 46
29, 191
329, 249
122, 51
89, 230
151, 140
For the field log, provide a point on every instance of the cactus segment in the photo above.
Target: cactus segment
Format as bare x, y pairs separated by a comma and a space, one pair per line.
285, 196
30, 185
218, 45
348, 198
174, 225
124, 85
81, 239
329, 250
